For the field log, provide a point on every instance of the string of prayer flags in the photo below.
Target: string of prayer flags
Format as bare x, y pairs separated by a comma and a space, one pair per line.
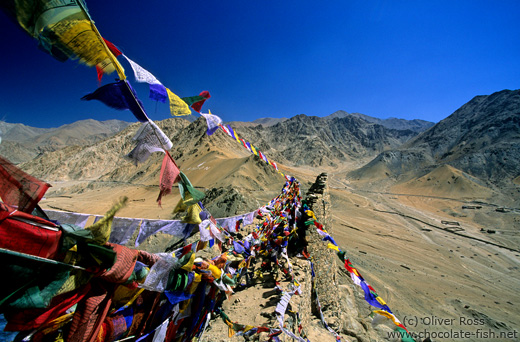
196, 102
212, 121
119, 95
232, 133
149, 138
229, 131
225, 129
65, 31
371, 295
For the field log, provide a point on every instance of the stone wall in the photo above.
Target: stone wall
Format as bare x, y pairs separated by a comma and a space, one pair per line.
342, 302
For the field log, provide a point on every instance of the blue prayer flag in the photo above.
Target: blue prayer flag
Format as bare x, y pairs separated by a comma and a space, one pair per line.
158, 93
119, 95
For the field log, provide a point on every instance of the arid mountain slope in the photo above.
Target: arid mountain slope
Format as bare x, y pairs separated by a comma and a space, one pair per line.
22, 143
481, 139
217, 164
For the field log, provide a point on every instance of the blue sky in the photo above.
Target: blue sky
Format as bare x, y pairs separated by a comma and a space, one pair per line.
405, 59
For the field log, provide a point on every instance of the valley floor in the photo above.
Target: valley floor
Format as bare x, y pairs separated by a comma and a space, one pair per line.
434, 280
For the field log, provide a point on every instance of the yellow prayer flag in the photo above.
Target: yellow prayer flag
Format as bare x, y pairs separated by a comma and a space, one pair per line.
380, 300
215, 271
193, 215
101, 229
195, 283
332, 246
80, 37
231, 332
388, 315
177, 106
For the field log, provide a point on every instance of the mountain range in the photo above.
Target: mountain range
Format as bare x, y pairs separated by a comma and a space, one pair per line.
481, 139
428, 212
21, 143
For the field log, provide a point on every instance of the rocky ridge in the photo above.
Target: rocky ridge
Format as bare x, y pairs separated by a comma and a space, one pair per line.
415, 125
310, 140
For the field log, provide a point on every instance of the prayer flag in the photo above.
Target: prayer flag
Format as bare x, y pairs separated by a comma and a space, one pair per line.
101, 229
196, 102
371, 298
212, 121
264, 158
186, 188
193, 215
405, 336
18, 188
175, 297
119, 95
253, 149
149, 138
388, 315
64, 30
158, 92
330, 239
169, 176
334, 247
141, 74
115, 51
177, 106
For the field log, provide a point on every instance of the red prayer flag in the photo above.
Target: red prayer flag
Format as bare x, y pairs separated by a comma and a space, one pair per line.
169, 175
18, 188
197, 106
115, 51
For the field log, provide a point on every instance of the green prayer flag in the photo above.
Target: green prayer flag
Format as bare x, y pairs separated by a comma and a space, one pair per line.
186, 187
405, 336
